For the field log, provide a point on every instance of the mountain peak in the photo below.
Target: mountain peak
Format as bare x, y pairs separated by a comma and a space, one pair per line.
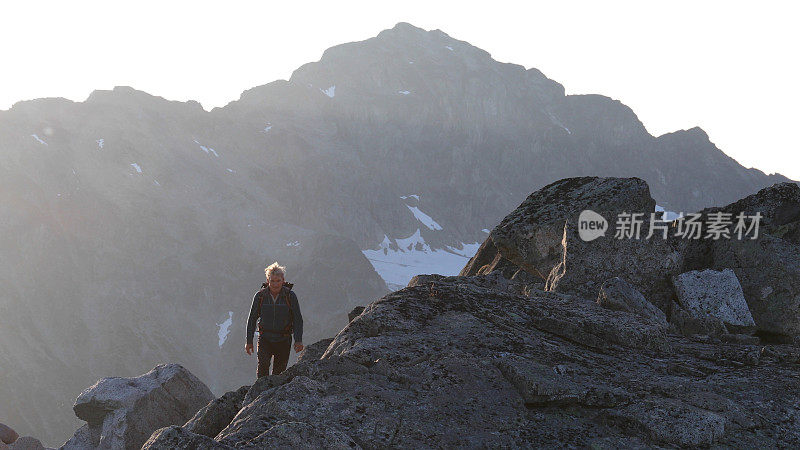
128, 94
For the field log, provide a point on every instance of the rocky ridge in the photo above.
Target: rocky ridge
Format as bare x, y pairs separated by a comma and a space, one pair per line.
488, 360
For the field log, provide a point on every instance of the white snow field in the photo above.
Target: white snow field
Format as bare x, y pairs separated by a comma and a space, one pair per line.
414, 257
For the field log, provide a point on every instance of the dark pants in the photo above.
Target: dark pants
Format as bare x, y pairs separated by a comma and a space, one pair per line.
266, 350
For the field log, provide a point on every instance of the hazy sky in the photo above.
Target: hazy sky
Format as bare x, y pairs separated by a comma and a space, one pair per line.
729, 67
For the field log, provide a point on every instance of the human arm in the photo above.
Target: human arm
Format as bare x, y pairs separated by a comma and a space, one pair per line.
255, 312
298, 323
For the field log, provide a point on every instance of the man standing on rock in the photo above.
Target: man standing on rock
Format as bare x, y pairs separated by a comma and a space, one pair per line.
277, 311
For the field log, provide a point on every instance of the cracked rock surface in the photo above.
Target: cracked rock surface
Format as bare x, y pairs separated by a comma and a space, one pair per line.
466, 361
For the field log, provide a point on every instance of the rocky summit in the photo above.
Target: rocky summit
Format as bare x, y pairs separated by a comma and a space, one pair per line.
489, 360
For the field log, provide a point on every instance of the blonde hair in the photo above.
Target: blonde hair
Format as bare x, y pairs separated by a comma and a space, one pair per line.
276, 269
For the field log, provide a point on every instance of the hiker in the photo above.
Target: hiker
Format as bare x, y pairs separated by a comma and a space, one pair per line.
277, 311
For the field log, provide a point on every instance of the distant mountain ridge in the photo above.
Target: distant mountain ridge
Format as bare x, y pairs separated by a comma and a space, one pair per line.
138, 224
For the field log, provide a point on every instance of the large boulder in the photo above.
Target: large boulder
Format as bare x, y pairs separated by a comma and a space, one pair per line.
768, 269
124, 412
543, 238
767, 265
779, 208
530, 236
714, 293
688, 324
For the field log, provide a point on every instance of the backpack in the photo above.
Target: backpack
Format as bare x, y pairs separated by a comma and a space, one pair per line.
287, 330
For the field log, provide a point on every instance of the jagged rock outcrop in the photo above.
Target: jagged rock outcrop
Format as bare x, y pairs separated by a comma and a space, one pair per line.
767, 268
542, 237
452, 362
124, 412
216, 415
714, 293
769, 271
531, 236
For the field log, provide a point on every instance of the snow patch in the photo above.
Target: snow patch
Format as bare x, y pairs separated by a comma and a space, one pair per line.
414, 257
225, 329
555, 120
268, 127
669, 216
38, 139
100, 142
411, 62
424, 218
156, 182
330, 92
403, 92
208, 150
231, 170
293, 244
467, 250
136, 166
412, 195
448, 47
415, 241
486, 230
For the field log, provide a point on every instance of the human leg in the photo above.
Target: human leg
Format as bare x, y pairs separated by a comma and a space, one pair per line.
264, 353
281, 350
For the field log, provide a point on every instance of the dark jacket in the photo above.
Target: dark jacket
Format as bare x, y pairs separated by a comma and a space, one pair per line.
275, 316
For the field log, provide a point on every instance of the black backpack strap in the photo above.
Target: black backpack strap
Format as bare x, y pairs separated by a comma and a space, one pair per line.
287, 297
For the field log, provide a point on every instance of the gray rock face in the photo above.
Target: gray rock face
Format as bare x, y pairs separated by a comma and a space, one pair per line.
674, 422
315, 350
688, 324
531, 235
542, 237
124, 412
354, 313
768, 267
27, 443
215, 416
769, 272
177, 437
618, 295
714, 293
299, 435
778, 205
455, 362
